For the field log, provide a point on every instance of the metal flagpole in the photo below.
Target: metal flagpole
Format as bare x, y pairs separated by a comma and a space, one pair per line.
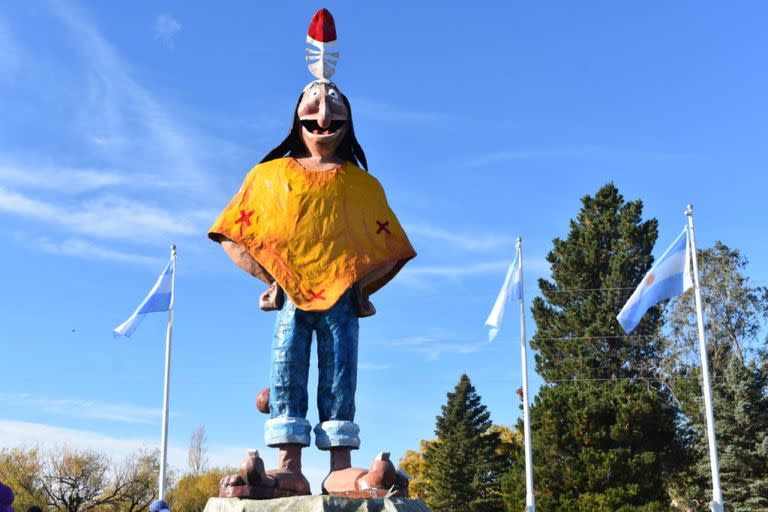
168, 336
530, 505
717, 495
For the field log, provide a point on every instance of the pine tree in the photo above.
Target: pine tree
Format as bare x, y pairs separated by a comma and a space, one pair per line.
463, 466
606, 254
742, 427
604, 436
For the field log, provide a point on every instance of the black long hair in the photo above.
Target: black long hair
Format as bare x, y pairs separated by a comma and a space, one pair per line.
349, 149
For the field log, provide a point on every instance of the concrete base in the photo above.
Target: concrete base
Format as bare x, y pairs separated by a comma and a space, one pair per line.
315, 504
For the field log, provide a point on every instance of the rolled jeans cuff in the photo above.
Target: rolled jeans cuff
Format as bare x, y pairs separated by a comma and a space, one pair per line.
333, 433
287, 430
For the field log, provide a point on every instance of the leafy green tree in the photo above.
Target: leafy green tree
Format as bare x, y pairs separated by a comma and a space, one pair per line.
464, 466
604, 431
735, 313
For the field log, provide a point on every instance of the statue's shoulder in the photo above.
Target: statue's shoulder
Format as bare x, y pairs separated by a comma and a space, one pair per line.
267, 170
363, 178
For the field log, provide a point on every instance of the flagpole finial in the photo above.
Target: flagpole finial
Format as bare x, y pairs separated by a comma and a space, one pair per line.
173, 249
519, 241
689, 210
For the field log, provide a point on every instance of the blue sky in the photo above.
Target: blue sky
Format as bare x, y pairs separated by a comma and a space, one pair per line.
125, 128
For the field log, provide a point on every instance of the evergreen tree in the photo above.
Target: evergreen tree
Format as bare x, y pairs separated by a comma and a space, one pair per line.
734, 321
742, 427
604, 436
464, 465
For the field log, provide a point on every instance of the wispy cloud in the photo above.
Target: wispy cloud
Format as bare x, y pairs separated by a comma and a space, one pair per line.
124, 144
166, 28
77, 408
107, 217
466, 241
122, 119
62, 180
46, 177
387, 112
10, 57
427, 278
586, 151
87, 250
456, 270
372, 367
433, 346
24, 433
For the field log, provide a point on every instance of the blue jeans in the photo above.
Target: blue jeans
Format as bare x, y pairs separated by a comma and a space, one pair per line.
337, 331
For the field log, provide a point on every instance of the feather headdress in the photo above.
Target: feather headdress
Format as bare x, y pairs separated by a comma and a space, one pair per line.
322, 53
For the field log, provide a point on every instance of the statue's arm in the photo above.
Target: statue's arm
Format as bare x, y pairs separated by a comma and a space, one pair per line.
245, 261
375, 275
363, 304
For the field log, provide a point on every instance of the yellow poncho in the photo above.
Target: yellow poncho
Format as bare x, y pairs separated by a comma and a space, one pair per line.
315, 232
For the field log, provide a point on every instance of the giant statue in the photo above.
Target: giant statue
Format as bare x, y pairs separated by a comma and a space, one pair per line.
314, 225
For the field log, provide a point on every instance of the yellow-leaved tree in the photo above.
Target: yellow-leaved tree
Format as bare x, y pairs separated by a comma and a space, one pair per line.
20, 469
414, 464
191, 491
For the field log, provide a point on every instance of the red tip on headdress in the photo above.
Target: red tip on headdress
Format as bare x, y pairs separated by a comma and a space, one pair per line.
322, 54
322, 27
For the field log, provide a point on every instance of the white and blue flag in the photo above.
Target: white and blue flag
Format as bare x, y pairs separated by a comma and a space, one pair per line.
160, 298
512, 289
669, 276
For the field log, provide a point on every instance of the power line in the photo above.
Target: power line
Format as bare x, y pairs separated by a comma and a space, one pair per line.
611, 336
610, 379
528, 290
604, 379
538, 292
575, 290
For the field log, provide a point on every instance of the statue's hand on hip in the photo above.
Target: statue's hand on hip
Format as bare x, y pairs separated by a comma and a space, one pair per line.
273, 298
363, 306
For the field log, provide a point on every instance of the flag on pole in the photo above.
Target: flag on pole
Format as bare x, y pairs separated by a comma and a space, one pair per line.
669, 276
158, 299
512, 289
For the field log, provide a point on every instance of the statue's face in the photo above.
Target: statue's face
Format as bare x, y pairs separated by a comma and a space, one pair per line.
324, 118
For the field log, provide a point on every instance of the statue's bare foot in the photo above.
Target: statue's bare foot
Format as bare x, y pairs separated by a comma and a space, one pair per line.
381, 480
251, 482
288, 478
342, 481
231, 480
254, 483
295, 483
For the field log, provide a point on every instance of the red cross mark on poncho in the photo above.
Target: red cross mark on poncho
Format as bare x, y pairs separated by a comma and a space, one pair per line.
383, 226
318, 295
245, 217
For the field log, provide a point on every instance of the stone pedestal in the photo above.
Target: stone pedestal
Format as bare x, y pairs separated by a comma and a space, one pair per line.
315, 504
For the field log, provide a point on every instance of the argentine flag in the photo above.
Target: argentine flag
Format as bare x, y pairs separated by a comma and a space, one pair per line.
512, 289
669, 276
160, 298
